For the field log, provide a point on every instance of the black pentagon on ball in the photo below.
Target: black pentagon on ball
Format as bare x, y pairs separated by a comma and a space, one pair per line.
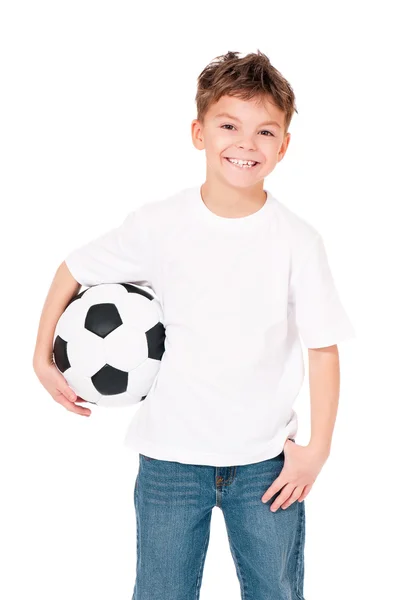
102, 319
108, 380
155, 339
61, 354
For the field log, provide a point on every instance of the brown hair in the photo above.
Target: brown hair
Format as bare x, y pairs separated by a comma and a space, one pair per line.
246, 78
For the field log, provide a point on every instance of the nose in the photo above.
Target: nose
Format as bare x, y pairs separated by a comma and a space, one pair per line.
247, 145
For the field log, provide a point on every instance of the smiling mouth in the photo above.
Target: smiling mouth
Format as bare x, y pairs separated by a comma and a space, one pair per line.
242, 166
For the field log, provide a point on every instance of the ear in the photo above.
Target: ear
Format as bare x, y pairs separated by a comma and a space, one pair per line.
284, 146
197, 134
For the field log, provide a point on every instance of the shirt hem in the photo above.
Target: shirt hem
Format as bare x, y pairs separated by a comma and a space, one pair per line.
185, 456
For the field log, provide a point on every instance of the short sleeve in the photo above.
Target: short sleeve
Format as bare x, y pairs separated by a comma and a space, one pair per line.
319, 314
117, 256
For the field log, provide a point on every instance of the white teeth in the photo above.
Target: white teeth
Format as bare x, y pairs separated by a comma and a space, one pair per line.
242, 163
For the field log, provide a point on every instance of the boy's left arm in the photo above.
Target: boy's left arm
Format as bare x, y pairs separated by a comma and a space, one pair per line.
324, 381
303, 463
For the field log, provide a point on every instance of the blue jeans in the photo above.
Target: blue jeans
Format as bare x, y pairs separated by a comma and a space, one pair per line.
174, 502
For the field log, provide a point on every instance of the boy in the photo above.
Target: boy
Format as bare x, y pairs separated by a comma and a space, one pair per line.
240, 278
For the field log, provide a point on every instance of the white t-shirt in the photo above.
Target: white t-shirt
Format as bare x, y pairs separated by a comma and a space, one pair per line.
237, 294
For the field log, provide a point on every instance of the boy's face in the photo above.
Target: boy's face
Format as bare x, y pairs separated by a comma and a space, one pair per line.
246, 137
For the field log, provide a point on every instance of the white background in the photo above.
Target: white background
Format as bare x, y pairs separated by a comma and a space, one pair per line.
97, 100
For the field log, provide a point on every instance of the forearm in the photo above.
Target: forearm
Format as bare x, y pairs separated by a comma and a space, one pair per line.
324, 381
62, 289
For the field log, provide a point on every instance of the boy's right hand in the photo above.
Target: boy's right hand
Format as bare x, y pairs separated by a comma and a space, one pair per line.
57, 386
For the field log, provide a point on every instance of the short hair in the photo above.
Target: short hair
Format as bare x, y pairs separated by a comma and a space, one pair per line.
248, 77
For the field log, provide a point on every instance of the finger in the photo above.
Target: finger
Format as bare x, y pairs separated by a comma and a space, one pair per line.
71, 397
63, 387
283, 496
295, 496
80, 410
72, 407
274, 487
306, 491
68, 393
77, 399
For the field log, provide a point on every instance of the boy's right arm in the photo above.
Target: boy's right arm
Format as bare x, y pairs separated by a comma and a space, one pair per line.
62, 289
119, 255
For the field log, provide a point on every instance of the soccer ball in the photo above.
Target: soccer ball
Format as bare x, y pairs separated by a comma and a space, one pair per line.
108, 344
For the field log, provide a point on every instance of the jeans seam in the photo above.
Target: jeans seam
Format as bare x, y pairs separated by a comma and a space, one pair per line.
243, 583
137, 532
300, 550
199, 577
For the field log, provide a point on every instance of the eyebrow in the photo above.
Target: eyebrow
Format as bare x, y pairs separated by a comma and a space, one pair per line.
239, 121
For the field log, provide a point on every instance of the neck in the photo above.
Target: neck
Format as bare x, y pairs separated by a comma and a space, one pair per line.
228, 201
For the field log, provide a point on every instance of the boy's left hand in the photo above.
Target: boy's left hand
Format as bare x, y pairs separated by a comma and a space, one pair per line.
302, 466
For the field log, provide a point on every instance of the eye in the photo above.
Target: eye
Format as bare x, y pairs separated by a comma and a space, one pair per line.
264, 130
